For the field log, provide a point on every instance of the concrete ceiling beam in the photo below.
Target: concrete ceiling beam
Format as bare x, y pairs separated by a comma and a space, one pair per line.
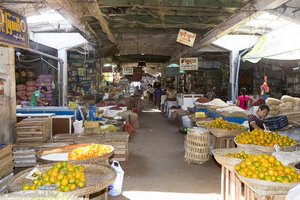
247, 13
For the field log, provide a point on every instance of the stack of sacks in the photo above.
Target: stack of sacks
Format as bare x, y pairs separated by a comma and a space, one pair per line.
30, 89
46, 80
21, 92
288, 104
273, 105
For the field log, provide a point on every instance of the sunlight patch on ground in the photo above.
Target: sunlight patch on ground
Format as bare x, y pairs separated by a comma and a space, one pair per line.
152, 195
152, 110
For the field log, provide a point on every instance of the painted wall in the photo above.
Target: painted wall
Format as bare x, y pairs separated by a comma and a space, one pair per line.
62, 42
8, 100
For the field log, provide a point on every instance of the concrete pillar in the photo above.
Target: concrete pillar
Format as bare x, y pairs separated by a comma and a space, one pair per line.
8, 100
233, 64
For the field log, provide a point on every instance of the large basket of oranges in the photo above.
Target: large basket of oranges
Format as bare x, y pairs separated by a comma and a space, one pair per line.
266, 176
229, 157
222, 128
79, 154
92, 178
264, 141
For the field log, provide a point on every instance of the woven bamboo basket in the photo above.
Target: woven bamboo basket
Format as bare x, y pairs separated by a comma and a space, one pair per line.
197, 158
98, 177
218, 132
265, 149
29, 195
197, 147
229, 162
69, 148
266, 188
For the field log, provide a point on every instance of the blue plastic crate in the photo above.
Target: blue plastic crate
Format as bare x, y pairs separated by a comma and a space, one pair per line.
213, 115
202, 110
235, 120
276, 123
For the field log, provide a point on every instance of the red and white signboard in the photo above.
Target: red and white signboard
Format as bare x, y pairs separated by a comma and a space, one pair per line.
188, 64
185, 37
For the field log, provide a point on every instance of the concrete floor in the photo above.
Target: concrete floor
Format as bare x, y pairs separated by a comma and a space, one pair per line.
156, 168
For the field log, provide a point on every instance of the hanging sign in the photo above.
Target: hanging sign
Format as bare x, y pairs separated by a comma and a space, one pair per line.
172, 71
13, 28
188, 64
128, 71
185, 37
108, 69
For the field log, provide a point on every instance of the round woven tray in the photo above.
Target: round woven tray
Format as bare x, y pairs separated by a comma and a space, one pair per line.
218, 132
98, 177
266, 188
229, 162
265, 149
68, 149
29, 195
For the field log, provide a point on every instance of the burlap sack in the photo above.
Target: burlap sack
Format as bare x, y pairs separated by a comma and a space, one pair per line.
272, 101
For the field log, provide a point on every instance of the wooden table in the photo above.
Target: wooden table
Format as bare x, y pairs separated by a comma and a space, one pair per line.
232, 188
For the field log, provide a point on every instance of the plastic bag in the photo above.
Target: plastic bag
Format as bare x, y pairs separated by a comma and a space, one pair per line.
186, 122
78, 126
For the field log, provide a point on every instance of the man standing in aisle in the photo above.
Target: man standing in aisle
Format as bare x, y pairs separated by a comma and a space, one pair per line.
35, 97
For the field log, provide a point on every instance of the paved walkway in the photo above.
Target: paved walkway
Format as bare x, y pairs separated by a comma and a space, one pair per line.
156, 168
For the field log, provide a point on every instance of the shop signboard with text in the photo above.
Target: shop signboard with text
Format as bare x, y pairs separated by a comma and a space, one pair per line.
185, 37
188, 64
128, 71
13, 29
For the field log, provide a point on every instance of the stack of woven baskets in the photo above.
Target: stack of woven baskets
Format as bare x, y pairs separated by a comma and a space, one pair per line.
197, 146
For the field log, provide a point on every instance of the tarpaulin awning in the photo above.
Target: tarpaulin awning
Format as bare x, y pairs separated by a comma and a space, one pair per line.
280, 44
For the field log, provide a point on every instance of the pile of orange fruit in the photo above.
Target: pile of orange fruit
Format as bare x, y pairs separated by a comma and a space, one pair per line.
240, 155
90, 151
66, 177
267, 168
222, 124
262, 138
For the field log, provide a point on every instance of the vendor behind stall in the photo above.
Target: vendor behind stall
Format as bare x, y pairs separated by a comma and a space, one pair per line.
256, 120
35, 97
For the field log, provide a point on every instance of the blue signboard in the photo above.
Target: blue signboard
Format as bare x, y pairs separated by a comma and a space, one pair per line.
13, 28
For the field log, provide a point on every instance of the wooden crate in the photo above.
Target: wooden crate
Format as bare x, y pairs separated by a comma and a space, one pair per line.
234, 189
119, 140
33, 130
6, 161
24, 155
224, 142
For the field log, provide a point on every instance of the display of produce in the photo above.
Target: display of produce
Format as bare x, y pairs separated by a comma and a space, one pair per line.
222, 124
267, 168
90, 151
216, 102
64, 176
239, 155
202, 100
200, 115
72, 105
262, 138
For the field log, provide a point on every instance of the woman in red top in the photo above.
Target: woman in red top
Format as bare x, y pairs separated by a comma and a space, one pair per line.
243, 99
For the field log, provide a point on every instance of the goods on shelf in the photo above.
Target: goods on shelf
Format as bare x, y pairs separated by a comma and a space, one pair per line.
90, 151
46, 80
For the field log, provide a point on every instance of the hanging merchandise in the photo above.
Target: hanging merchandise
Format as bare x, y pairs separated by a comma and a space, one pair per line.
1, 87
